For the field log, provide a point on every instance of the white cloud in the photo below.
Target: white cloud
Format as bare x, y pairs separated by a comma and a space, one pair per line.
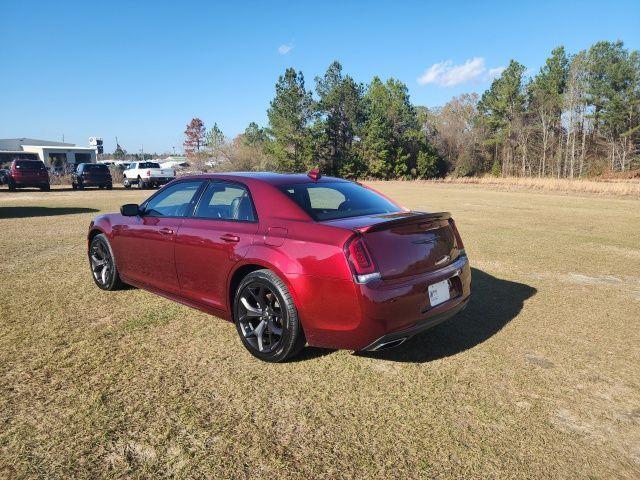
284, 49
495, 72
446, 74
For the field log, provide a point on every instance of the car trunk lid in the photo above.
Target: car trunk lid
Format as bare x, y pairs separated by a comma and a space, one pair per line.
406, 243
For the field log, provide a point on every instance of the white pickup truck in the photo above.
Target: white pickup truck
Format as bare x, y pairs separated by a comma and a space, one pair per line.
147, 175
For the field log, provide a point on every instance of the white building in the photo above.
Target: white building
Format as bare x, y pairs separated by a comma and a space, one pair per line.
57, 156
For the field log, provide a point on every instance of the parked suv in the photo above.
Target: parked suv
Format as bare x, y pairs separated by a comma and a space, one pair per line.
27, 173
91, 175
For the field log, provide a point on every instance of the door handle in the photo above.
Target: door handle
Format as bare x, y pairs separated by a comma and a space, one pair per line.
166, 231
229, 237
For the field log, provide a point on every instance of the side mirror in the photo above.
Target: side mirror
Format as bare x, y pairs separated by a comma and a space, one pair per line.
130, 209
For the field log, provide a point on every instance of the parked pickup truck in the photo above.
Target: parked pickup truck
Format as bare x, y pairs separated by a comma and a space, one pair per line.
147, 175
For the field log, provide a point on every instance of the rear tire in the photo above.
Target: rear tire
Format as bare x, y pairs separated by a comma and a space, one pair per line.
12, 186
141, 184
103, 264
266, 317
109, 187
45, 188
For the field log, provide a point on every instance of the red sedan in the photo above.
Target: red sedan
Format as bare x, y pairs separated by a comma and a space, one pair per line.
290, 259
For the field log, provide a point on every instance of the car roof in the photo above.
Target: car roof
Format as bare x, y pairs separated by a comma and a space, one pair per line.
272, 178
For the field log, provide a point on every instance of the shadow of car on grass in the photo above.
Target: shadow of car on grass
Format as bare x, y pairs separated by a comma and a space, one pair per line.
27, 212
494, 303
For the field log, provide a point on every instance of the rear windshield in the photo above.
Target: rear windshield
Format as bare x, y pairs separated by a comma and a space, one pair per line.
95, 167
148, 165
29, 165
334, 200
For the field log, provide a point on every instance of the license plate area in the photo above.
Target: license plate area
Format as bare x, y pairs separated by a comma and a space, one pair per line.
439, 292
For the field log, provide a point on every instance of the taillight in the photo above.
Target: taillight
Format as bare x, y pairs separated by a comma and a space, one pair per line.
361, 261
148, 173
456, 234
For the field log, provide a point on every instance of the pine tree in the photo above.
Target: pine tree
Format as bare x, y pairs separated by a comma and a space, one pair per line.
546, 100
341, 112
119, 153
289, 115
500, 107
214, 140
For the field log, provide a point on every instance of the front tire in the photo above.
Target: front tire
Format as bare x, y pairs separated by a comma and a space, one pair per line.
103, 264
126, 183
266, 317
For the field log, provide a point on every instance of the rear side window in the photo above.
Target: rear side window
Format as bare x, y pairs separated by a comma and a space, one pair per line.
148, 165
173, 201
29, 165
226, 201
331, 201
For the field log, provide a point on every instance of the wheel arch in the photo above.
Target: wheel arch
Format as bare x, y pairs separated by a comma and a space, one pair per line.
244, 269
95, 231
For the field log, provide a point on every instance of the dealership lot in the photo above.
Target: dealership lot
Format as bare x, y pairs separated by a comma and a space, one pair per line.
539, 377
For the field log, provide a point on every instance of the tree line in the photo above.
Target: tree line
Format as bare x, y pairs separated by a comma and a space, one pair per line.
578, 115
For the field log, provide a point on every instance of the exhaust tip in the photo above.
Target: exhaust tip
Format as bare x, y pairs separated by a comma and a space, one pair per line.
389, 344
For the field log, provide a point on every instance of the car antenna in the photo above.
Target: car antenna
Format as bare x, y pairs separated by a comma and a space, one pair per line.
314, 174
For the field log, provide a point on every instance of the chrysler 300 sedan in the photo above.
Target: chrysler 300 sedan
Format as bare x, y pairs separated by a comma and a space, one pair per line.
290, 259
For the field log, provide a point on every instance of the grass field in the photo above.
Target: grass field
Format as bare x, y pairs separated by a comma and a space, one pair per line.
538, 378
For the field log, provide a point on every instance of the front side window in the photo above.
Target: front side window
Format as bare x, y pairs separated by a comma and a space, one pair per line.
226, 201
173, 201
334, 200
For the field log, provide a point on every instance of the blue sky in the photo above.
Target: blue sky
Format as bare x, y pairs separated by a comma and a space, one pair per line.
142, 70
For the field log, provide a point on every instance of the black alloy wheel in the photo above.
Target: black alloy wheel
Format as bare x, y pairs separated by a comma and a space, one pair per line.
266, 317
103, 265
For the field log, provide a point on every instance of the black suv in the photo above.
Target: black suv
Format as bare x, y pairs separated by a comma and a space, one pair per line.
91, 175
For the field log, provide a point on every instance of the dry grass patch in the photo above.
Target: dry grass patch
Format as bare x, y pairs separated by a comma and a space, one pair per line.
612, 187
538, 378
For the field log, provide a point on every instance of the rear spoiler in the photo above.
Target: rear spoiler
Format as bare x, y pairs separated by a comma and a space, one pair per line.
404, 219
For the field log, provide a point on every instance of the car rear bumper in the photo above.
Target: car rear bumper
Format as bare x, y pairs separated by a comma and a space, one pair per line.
158, 180
383, 311
397, 338
97, 183
30, 183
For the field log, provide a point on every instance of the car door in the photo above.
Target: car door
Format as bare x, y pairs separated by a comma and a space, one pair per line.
145, 243
213, 240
